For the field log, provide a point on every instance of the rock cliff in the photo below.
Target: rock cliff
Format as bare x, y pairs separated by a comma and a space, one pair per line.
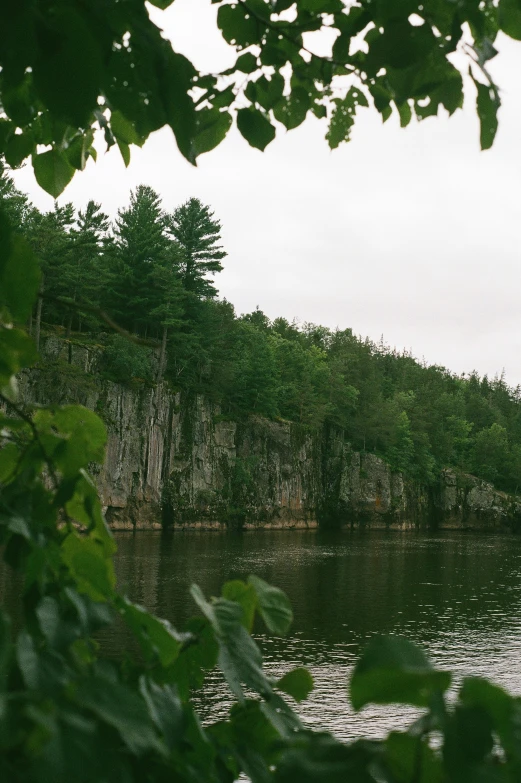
173, 461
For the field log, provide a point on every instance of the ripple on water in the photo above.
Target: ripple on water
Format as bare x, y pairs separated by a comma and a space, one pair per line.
457, 595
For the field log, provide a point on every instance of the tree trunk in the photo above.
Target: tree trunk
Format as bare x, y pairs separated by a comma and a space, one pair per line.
162, 356
39, 316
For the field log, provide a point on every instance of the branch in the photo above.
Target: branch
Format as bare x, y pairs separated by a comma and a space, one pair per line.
84, 307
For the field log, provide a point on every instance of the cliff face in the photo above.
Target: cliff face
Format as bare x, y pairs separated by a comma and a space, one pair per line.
179, 462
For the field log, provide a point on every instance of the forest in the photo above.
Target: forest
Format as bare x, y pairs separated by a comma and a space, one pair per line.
153, 273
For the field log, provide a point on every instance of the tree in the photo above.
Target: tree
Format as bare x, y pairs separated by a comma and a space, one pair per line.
167, 300
49, 234
198, 234
490, 452
85, 67
254, 387
83, 272
141, 246
16, 204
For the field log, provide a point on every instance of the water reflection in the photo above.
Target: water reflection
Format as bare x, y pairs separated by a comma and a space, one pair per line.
458, 595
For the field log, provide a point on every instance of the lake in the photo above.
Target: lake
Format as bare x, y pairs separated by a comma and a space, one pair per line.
458, 595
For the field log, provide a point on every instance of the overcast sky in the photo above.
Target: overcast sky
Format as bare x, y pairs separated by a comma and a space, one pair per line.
411, 234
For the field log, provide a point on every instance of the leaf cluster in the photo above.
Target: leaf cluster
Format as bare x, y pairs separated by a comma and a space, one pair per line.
79, 69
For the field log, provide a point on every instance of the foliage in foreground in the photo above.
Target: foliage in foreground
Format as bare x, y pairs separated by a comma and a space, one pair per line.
78, 68
68, 713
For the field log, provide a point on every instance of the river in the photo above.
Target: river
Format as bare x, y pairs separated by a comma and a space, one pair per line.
458, 595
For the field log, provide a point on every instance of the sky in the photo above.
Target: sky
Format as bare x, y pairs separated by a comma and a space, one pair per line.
410, 234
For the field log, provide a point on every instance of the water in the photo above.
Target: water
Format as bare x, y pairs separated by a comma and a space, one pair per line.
457, 595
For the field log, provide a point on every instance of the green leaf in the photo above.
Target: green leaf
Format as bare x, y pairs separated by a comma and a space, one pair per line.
404, 110
393, 670
212, 127
84, 438
125, 152
267, 92
91, 569
509, 14
239, 657
17, 350
255, 127
176, 80
297, 683
79, 149
400, 45
158, 639
121, 708
165, 709
246, 63
6, 649
123, 129
292, 111
83, 506
254, 740
48, 614
19, 276
9, 456
322, 6
343, 117
18, 148
53, 172
237, 26
410, 758
195, 659
244, 595
68, 67
487, 103
317, 757
274, 606
503, 710
162, 3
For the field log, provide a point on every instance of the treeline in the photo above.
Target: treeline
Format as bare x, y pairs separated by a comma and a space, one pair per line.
152, 272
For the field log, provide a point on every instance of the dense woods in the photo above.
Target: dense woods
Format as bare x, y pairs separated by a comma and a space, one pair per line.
154, 274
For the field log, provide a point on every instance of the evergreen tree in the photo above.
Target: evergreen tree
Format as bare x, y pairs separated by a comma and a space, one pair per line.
83, 270
166, 294
141, 244
15, 203
49, 234
199, 234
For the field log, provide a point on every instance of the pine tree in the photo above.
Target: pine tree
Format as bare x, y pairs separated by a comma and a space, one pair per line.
50, 237
199, 234
167, 298
82, 273
15, 204
141, 244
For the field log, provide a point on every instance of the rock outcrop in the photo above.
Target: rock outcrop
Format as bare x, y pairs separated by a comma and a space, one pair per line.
173, 461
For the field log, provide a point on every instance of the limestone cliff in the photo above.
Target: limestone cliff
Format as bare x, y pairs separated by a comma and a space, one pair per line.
173, 461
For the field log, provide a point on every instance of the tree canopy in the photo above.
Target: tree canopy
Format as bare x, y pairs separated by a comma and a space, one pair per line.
149, 271
78, 68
